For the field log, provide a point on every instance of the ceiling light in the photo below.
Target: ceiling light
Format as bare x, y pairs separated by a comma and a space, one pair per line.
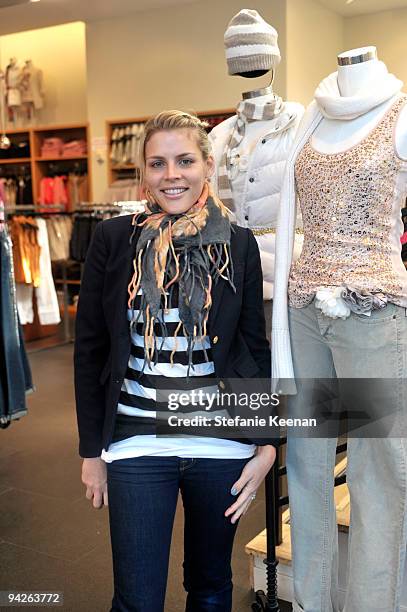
39, 0
347, 1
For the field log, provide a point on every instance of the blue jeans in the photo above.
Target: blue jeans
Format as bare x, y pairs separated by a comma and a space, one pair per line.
373, 348
143, 495
15, 375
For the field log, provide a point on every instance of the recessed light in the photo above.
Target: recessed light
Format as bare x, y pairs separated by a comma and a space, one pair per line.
34, 0
347, 1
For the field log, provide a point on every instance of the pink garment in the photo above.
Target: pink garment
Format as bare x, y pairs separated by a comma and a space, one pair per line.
74, 148
53, 191
46, 191
2, 191
60, 191
403, 239
52, 147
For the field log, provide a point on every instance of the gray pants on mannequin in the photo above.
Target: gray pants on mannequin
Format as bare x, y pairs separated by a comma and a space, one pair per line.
372, 347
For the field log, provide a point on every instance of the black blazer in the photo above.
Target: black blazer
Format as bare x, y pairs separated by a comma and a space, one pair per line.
102, 346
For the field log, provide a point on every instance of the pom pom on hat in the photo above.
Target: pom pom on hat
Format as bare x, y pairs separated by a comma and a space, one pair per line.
250, 43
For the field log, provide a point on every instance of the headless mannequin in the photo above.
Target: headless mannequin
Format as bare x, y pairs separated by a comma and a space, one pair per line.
255, 93
13, 73
257, 162
334, 136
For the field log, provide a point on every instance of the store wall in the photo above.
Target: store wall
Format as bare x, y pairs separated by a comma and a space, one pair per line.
60, 52
315, 35
387, 31
167, 58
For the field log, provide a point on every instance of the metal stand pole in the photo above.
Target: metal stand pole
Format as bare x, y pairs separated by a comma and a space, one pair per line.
269, 602
67, 334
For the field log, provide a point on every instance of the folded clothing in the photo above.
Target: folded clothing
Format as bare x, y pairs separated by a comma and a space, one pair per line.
74, 148
56, 147
52, 147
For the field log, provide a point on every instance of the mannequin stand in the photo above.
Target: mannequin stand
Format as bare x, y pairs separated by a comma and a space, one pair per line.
269, 602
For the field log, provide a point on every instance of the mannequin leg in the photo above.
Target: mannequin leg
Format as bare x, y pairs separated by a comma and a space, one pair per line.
377, 467
314, 537
310, 473
377, 484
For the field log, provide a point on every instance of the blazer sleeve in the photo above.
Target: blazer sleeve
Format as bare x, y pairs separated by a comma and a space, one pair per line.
252, 323
92, 347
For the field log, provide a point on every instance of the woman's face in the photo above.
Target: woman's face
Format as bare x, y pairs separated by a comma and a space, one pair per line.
175, 170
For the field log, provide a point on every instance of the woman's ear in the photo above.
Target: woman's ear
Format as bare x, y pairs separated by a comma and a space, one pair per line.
210, 163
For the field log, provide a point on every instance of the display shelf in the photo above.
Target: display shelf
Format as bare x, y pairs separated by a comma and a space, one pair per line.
119, 167
16, 160
120, 170
60, 158
66, 132
33, 137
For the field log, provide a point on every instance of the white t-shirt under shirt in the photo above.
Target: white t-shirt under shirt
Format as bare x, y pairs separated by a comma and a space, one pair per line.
138, 396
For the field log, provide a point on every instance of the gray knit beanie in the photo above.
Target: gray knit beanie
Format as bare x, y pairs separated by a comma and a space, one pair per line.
250, 43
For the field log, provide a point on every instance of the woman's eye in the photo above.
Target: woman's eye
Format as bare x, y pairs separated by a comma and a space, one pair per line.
156, 164
186, 162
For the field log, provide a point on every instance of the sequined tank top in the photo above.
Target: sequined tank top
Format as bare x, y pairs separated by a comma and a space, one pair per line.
351, 207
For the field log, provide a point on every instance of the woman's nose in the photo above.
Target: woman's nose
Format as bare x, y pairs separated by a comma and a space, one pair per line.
172, 171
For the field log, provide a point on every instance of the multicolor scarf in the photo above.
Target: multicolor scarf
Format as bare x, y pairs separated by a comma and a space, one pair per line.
247, 111
187, 253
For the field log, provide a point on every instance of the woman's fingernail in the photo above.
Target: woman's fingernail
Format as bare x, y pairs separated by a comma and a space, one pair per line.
234, 491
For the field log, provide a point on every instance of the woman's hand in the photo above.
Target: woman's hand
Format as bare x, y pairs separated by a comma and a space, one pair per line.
95, 479
250, 479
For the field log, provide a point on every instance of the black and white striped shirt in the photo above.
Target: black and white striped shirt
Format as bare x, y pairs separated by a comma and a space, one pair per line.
145, 392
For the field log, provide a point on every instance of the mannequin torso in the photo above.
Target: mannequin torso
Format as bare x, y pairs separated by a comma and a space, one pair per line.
335, 136
256, 175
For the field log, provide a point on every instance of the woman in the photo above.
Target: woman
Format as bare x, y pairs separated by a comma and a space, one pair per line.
168, 273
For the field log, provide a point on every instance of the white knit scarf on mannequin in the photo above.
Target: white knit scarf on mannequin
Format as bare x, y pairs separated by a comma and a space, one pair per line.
264, 108
328, 103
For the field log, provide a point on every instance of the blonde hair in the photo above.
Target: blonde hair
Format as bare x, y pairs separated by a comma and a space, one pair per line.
175, 120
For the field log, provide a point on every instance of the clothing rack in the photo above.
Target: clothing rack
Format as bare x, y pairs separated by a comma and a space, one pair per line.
62, 278
32, 211
36, 213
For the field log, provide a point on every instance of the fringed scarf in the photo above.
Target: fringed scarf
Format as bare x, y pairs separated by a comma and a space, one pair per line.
188, 252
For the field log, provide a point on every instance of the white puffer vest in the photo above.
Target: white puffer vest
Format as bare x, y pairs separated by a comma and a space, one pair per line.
263, 152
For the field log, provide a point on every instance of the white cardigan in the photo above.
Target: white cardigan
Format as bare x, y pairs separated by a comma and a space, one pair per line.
282, 364
266, 146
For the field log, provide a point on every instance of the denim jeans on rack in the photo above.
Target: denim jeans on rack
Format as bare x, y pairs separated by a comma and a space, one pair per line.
15, 375
143, 495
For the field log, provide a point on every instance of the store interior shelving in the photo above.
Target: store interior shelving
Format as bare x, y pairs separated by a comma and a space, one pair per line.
24, 158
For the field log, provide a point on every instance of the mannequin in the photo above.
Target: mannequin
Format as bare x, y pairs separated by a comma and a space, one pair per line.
332, 135
348, 168
256, 154
13, 74
32, 95
4, 140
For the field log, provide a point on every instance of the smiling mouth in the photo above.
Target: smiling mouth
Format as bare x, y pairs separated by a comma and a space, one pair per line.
174, 191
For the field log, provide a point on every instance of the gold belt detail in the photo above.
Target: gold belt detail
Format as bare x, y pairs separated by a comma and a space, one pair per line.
272, 230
